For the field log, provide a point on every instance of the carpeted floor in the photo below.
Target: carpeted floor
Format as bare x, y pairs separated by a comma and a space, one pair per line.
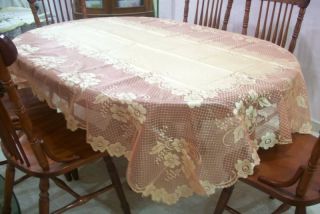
245, 198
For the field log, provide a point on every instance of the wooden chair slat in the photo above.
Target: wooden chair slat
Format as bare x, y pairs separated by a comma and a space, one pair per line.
56, 11
227, 15
271, 21
209, 13
246, 17
219, 14
36, 18
201, 13
206, 15
6, 133
67, 9
297, 29
196, 15
259, 19
265, 21
62, 14
214, 24
45, 14
282, 25
186, 11
284, 39
51, 13
276, 31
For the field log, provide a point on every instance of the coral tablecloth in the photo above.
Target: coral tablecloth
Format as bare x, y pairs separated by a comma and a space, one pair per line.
188, 106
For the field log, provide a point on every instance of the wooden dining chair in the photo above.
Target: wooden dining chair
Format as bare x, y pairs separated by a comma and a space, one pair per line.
209, 13
30, 102
55, 11
287, 173
274, 20
44, 148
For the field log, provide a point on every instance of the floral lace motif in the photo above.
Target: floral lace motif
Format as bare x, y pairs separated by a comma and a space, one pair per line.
247, 110
244, 168
81, 79
122, 107
301, 102
174, 154
268, 140
26, 49
306, 128
101, 144
161, 195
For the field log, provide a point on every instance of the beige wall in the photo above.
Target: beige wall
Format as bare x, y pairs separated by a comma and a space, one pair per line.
307, 50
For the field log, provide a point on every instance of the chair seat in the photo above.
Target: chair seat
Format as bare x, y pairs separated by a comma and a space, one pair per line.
62, 143
281, 163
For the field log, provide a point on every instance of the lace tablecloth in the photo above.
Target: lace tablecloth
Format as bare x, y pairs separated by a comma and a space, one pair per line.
188, 106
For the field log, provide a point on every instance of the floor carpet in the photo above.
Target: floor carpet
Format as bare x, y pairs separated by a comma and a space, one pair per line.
245, 199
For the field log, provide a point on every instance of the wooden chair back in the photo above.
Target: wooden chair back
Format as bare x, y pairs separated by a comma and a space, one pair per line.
209, 13
55, 11
10, 140
274, 20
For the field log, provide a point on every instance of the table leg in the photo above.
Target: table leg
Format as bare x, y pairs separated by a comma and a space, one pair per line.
223, 200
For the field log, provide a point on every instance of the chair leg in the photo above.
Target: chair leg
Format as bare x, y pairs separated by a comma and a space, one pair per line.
117, 184
3, 162
300, 210
19, 180
282, 208
8, 189
44, 196
75, 174
223, 200
68, 176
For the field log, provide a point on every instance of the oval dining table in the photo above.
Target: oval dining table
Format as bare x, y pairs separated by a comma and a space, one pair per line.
188, 106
